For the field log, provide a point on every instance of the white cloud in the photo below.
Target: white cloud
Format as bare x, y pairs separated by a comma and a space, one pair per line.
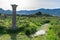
29, 4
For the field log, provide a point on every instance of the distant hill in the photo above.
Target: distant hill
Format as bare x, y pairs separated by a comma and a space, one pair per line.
41, 14
54, 12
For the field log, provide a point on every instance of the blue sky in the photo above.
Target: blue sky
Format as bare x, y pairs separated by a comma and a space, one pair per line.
30, 4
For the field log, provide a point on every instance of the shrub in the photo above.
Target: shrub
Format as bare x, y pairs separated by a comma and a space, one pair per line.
2, 30
31, 29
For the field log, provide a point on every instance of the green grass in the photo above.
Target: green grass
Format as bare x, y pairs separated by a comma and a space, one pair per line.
25, 24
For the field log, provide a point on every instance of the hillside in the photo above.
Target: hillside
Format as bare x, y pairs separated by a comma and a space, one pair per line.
29, 24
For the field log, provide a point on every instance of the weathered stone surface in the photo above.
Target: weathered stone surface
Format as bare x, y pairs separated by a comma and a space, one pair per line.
13, 16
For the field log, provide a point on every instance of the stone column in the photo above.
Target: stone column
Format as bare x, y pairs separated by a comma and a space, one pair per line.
13, 16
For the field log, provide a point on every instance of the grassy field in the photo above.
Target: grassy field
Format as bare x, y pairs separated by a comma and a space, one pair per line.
27, 25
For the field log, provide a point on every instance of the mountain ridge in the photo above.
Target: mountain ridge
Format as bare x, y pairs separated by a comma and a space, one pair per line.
54, 12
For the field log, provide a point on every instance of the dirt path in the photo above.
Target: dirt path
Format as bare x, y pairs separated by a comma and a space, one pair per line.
44, 26
42, 31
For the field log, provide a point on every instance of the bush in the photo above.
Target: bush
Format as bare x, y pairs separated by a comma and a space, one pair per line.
2, 30
30, 29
